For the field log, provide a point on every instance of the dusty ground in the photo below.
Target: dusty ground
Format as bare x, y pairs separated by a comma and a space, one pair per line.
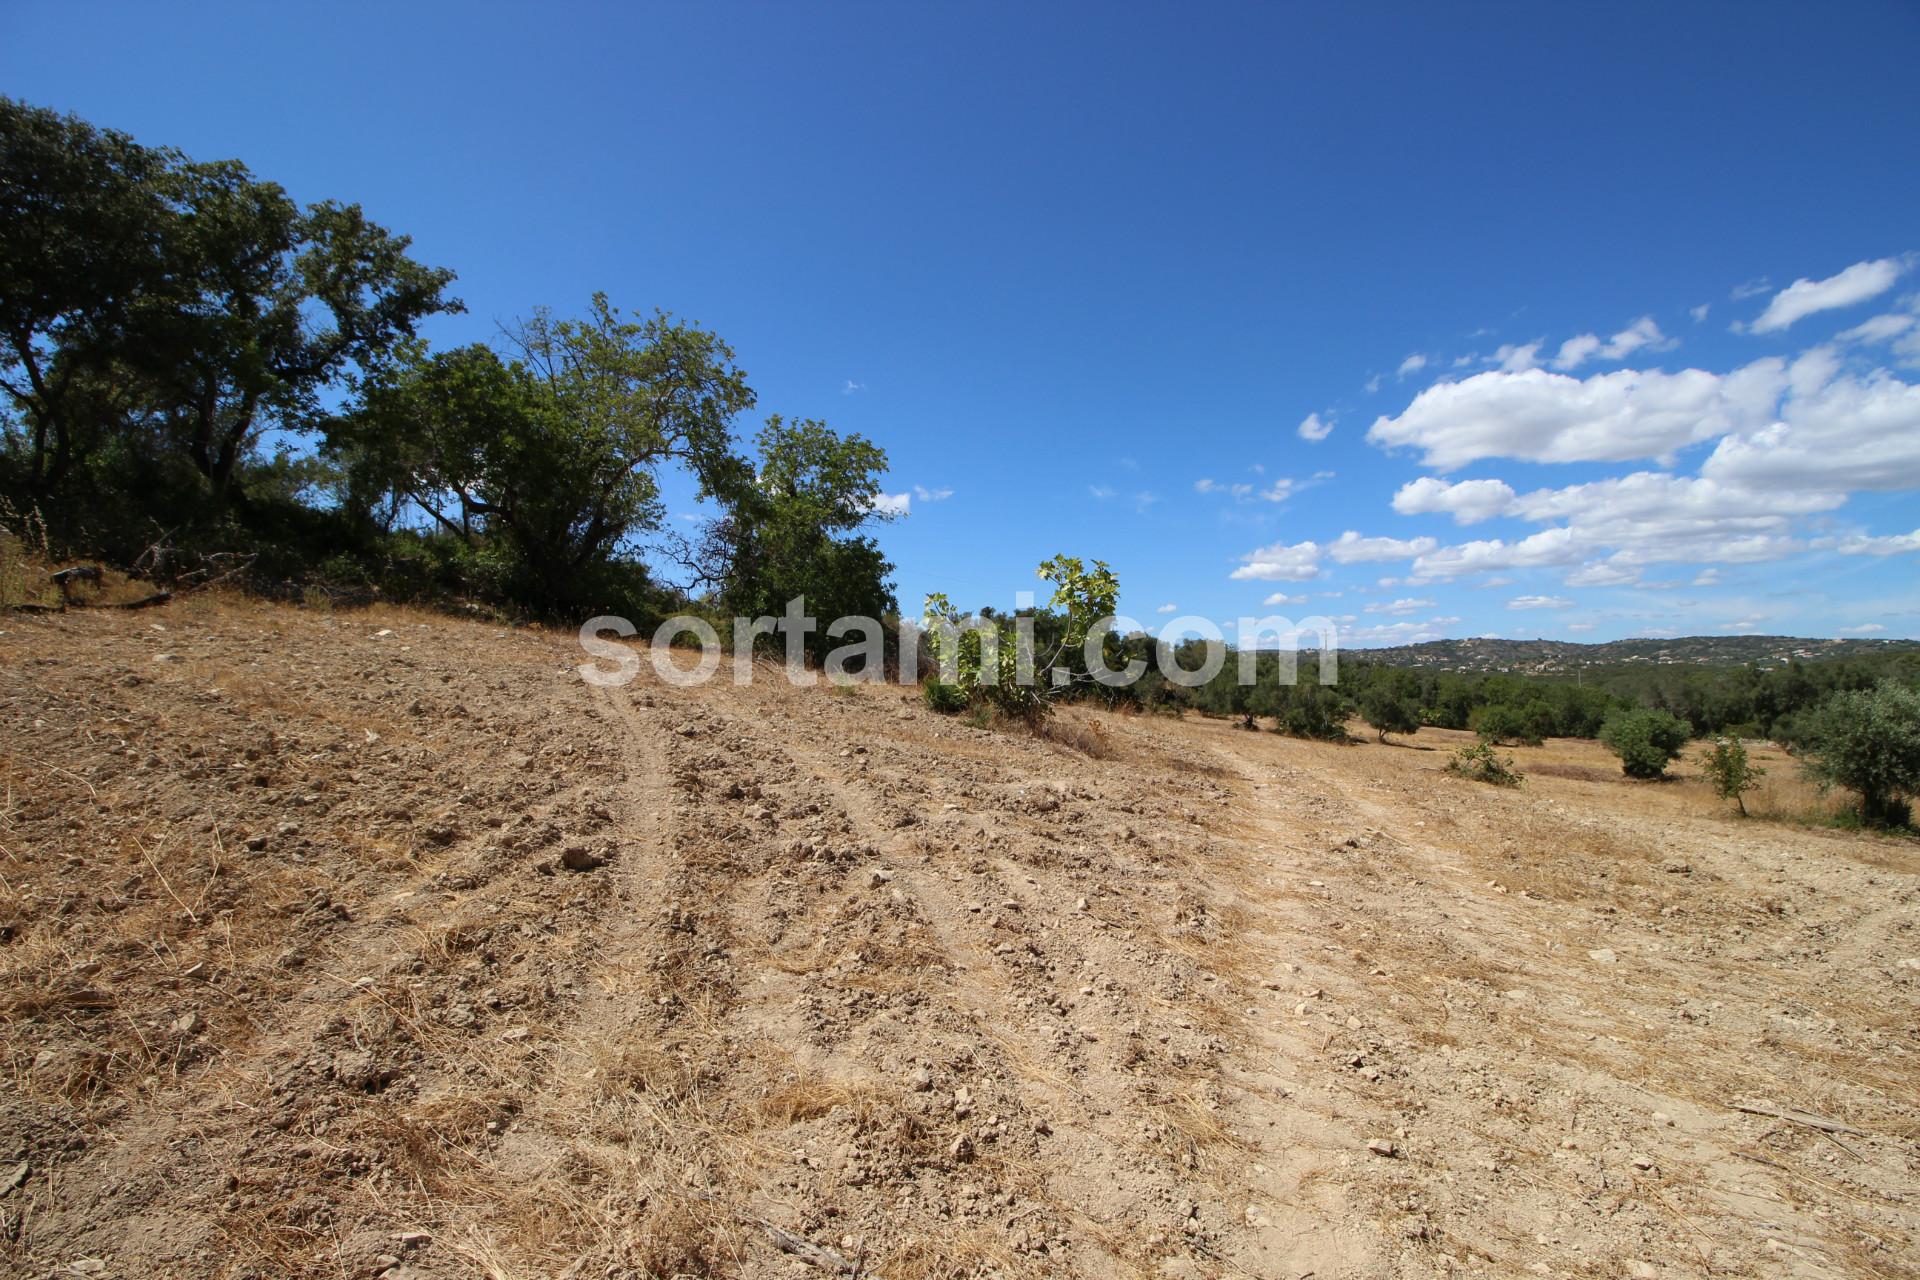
377, 944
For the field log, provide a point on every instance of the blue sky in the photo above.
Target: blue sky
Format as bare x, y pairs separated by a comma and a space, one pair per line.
1085, 271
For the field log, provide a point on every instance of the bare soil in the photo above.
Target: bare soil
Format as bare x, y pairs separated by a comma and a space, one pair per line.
379, 944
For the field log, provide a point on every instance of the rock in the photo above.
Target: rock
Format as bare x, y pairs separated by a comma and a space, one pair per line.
1381, 1147
1601, 955
1661, 1117
1640, 1269
412, 1239
87, 1267
188, 1023
577, 857
879, 877
1643, 1162
14, 1178
920, 1080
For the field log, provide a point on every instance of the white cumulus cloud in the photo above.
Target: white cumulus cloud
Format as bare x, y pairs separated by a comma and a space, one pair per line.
1539, 416
1641, 334
1805, 297
1409, 604
1517, 358
1467, 501
1280, 562
1351, 548
1834, 431
1314, 427
1892, 545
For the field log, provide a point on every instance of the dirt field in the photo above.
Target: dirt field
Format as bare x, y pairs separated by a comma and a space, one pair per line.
377, 944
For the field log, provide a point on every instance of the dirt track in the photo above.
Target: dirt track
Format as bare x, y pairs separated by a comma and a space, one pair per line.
299, 979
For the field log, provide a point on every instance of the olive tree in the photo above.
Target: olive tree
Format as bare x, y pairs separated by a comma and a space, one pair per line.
1868, 741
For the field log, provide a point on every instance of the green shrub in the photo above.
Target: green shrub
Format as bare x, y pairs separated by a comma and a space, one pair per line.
1010, 676
1730, 772
1646, 741
1868, 741
943, 698
1481, 763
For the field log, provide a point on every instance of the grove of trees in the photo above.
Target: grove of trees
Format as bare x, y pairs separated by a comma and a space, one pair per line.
196, 368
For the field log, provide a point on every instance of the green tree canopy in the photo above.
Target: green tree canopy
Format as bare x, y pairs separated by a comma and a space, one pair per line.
1645, 740
547, 464
1868, 741
158, 307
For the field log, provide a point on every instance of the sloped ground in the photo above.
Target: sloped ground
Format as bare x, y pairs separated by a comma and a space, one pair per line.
379, 944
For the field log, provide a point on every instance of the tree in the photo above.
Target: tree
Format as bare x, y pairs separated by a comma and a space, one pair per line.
267, 305
1646, 741
1388, 712
1868, 741
78, 212
546, 468
185, 303
791, 529
1310, 710
1499, 723
1224, 695
1009, 674
1729, 772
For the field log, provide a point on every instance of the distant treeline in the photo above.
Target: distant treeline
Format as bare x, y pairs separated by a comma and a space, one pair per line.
1743, 701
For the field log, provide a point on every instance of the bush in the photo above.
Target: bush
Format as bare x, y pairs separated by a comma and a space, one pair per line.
1728, 770
1481, 763
943, 698
1868, 741
1646, 741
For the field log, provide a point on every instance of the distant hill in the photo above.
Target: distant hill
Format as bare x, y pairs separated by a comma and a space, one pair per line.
1546, 656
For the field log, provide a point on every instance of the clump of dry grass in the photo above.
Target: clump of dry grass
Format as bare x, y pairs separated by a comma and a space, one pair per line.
1075, 734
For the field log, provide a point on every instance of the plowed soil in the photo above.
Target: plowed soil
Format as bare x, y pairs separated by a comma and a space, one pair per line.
380, 944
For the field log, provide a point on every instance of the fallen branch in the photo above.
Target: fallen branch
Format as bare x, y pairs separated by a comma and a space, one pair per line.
805, 1250
808, 1252
1806, 1118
